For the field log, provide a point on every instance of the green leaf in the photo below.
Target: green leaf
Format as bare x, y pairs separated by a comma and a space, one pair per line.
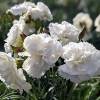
37, 23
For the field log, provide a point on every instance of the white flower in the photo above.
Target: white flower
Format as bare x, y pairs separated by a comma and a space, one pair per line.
41, 11
9, 74
64, 32
45, 10
81, 20
97, 23
14, 37
21, 8
44, 52
43, 45
82, 61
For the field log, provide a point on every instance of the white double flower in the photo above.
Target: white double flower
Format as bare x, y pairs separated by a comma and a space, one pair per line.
43, 52
64, 32
82, 61
10, 75
40, 10
81, 20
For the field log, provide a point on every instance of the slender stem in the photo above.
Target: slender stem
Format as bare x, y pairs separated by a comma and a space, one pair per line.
71, 90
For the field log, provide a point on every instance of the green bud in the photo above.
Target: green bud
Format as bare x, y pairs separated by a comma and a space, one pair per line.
16, 50
19, 62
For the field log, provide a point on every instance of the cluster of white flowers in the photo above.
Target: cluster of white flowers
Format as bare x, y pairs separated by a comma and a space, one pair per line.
25, 9
40, 10
41, 51
9, 74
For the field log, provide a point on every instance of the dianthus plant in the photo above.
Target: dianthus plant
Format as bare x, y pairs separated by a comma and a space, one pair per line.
45, 61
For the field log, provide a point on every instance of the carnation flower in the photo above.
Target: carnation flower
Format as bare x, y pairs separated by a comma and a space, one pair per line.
82, 61
10, 75
21, 8
43, 53
14, 37
81, 20
43, 45
97, 23
41, 11
64, 32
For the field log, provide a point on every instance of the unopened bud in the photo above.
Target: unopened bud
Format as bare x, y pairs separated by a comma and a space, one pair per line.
82, 33
16, 50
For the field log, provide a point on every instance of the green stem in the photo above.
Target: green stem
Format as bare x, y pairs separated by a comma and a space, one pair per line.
71, 90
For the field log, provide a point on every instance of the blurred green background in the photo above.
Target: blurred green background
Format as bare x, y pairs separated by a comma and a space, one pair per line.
61, 10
